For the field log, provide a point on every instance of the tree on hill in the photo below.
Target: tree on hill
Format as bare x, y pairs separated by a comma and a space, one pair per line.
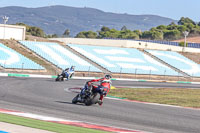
161, 27
34, 31
199, 24
86, 34
103, 32
182, 28
52, 36
66, 33
104, 29
172, 34
162, 32
128, 34
138, 32
124, 28
152, 35
186, 20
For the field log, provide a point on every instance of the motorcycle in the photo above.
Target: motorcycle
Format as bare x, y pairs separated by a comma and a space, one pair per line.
62, 76
88, 97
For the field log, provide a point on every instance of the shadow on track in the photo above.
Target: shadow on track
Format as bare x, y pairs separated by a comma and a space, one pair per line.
68, 103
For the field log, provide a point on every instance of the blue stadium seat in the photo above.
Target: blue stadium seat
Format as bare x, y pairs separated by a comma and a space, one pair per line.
59, 55
123, 60
11, 59
179, 61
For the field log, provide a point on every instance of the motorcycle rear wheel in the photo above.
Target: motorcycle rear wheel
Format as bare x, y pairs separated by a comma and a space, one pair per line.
92, 100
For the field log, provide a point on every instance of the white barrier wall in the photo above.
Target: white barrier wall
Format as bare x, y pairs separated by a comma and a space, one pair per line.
98, 42
126, 44
12, 32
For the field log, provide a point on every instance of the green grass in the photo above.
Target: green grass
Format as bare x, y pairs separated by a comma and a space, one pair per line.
179, 97
50, 126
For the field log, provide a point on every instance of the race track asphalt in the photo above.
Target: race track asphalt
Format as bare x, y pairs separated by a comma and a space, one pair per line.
47, 97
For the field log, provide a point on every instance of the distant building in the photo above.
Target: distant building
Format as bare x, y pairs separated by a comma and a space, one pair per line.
12, 32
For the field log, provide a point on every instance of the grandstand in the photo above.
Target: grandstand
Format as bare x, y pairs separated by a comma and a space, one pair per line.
119, 57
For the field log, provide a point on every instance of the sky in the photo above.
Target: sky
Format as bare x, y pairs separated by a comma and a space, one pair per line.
174, 9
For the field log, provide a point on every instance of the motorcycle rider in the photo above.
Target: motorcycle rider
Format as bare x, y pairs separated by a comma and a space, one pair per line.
71, 71
68, 72
102, 89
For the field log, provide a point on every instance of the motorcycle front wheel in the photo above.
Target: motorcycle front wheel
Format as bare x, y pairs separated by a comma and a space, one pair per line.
75, 99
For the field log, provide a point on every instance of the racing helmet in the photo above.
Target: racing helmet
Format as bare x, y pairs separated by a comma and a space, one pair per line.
107, 76
72, 67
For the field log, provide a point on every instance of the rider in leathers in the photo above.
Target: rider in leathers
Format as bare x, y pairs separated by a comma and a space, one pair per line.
68, 72
103, 88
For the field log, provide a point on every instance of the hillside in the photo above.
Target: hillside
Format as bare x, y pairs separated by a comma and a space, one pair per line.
56, 19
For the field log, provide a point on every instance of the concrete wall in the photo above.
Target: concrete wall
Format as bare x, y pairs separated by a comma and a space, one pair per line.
126, 43
12, 32
99, 42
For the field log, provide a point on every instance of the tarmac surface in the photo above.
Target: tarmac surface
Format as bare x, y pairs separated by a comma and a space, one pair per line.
47, 97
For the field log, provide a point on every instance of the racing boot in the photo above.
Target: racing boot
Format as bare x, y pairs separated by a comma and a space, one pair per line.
100, 102
79, 98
